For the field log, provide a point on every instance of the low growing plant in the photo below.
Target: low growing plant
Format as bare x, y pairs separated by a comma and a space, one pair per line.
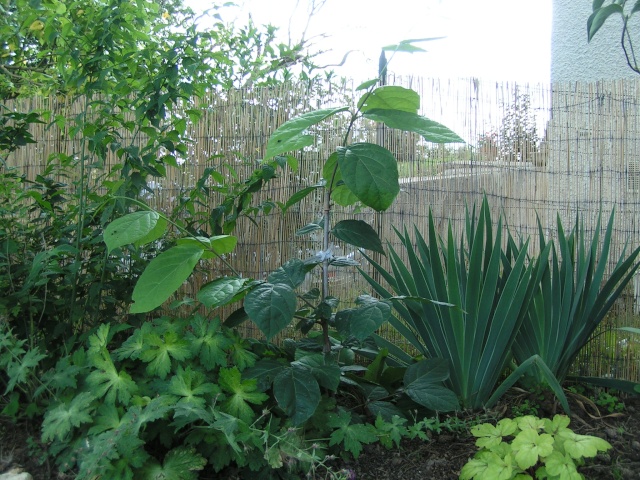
166, 399
529, 447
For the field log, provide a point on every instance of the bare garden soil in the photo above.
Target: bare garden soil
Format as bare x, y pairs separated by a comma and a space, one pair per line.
440, 458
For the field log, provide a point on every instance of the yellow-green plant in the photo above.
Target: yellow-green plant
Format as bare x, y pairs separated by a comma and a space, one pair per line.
530, 447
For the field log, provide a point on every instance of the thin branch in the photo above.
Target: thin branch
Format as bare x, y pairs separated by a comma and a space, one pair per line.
631, 58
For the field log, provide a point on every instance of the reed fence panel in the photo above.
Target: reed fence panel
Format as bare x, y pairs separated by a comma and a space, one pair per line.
585, 158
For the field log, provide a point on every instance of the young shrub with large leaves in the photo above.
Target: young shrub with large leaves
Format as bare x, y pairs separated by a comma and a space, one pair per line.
572, 297
462, 303
357, 172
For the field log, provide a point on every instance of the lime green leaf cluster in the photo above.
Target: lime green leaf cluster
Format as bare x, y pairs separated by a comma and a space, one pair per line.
528, 446
208, 342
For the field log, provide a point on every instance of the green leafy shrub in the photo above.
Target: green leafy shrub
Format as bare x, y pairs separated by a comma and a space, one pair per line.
175, 395
19, 365
274, 304
167, 399
530, 447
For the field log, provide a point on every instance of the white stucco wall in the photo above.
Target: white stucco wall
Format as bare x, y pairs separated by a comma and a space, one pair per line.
575, 59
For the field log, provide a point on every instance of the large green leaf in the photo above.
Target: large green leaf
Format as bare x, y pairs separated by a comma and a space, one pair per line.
290, 135
358, 233
297, 393
599, 16
371, 173
430, 130
221, 291
181, 463
292, 273
430, 369
407, 45
163, 276
264, 371
423, 384
215, 246
362, 322
344, 197
131, 228
324, 370
332, 175
390, 97
434, 396
271, 307
298, 196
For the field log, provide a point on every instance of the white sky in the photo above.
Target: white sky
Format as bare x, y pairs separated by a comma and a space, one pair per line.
488, 39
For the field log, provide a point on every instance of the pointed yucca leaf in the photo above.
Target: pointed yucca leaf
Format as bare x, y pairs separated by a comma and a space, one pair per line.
509, 311
457, 337
435, 261
621, 385
573, 296
593, 279
533, 362
484, 319
401, 327
424, 300
393, 349
440, 338
423, 288
629, 330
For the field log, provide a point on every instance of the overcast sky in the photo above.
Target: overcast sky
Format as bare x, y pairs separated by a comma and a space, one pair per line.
489, 39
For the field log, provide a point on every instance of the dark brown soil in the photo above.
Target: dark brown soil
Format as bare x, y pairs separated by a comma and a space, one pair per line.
444, 456
440, 458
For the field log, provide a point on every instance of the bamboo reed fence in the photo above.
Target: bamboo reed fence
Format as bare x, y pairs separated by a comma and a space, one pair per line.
586, 159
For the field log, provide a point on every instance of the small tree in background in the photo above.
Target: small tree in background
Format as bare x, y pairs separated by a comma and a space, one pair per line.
518, 135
